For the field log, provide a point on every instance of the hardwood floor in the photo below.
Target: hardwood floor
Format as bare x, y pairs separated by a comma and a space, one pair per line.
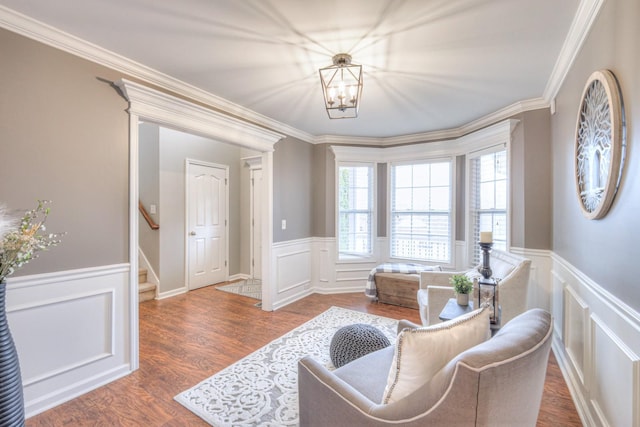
188, 338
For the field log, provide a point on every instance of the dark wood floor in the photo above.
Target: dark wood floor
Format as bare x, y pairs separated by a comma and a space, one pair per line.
188, 338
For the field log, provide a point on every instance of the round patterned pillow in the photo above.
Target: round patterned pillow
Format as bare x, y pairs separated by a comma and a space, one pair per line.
354, 341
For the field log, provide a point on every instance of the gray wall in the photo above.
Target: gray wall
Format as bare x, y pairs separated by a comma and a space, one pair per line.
531, 181
606, 250
64, 136
292, 189
175, 147
322, 184
382, 199
149, 191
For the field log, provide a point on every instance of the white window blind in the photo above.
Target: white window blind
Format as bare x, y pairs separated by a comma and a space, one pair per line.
488, 199
420, 211
355, 211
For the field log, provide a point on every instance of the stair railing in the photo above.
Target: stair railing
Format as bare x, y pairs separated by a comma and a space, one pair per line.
147, 217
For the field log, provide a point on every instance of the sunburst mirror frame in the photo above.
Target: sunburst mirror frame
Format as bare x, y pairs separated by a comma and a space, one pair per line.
599, 144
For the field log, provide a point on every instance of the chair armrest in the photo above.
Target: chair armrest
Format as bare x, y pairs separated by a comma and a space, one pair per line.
403, 324
437, 278
325, 399
438, 296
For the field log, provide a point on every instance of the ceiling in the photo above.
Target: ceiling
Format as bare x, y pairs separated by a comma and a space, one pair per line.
429, 65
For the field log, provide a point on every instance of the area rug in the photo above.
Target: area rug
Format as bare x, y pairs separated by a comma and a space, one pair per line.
251, 288
262, 388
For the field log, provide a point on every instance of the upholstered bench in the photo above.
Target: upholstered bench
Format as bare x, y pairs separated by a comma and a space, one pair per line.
396, 283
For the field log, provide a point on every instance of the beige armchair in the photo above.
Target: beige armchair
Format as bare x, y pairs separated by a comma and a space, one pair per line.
496, 383
513, 270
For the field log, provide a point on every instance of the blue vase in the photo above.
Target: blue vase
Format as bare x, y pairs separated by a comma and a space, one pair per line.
11, 399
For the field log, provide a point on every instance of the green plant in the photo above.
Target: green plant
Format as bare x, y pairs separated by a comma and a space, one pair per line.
461, 284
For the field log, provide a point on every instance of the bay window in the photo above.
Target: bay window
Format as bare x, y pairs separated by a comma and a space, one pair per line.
421, 211
355, 210
488, 198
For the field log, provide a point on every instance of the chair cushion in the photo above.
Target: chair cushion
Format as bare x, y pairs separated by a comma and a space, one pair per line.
368, 374
422, 352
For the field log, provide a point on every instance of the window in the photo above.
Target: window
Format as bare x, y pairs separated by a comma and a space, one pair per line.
421, 213
488, 199
355, 211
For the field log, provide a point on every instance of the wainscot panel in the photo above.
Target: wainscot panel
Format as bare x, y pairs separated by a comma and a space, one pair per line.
597, 343
576, 312
539, 281
71, 331
291, 271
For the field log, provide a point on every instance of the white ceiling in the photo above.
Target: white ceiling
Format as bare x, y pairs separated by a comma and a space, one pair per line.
428, 64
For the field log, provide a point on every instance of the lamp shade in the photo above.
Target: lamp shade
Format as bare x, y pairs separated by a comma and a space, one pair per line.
341, 87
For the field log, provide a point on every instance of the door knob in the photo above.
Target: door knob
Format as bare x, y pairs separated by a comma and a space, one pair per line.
193, 233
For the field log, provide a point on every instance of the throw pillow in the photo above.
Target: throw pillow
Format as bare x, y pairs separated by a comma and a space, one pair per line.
421, 352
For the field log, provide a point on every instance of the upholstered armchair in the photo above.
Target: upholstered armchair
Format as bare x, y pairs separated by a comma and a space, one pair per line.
512, 270
498, 382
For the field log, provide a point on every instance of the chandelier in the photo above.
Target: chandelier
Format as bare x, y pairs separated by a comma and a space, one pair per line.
342, 87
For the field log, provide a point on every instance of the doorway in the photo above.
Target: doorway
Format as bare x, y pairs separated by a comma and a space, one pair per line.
256, 224
149, 104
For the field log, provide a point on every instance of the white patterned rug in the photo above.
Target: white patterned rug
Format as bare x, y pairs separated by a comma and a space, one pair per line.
251, 288
262, 388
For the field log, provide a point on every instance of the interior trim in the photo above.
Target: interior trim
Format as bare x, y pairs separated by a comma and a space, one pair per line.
39, 31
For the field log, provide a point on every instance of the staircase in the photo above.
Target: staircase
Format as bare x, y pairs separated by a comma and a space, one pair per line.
146, 291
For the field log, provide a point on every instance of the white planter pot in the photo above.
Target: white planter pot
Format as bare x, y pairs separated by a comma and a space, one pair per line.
462, 299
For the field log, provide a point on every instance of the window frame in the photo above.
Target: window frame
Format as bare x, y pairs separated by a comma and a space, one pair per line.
374, 208
452, 208
490, 148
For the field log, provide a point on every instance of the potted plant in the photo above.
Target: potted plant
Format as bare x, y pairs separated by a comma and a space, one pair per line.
20, 242
462, 286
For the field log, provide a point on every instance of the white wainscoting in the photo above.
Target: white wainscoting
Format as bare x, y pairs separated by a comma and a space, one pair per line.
538, 294
291, 271
323, 264
71, 330
597, 344
339, 277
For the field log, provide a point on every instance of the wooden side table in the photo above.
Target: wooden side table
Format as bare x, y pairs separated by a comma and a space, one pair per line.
453, 310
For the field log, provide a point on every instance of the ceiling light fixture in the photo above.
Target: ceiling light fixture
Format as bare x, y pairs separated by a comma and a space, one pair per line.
342, 87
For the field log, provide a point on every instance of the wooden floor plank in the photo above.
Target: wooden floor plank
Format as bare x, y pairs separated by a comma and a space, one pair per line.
187, 338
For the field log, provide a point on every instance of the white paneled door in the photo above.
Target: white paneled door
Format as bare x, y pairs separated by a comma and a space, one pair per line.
206, 224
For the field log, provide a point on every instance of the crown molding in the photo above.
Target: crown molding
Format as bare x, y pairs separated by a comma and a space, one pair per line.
44, 33
498, 133
440, 135
41, 32
582, 22
166, 109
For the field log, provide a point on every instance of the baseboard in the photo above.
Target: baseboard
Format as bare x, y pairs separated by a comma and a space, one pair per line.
339, 290
572, 384
239, 276
152, 277
65, 394
173, 293
292, 298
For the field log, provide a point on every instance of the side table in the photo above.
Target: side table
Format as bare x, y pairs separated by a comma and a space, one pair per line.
453, 310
